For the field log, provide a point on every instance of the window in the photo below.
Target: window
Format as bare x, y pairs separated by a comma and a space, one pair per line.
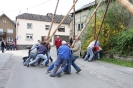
47, 27
4, 21
1, 30
61, 29
29, 25
80, 26
29, 36
1, 38
9, 39
10, 31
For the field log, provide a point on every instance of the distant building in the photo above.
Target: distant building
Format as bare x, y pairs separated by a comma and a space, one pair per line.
33, 27
7, 29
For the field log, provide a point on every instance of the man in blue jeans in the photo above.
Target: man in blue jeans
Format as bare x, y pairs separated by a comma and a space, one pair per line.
76, 53
90, 50
64, 53
40, 54
33, 53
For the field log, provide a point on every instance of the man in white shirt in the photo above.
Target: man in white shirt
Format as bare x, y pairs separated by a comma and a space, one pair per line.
90, 50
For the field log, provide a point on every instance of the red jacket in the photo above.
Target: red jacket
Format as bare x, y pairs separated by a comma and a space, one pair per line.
58, 42
96, 48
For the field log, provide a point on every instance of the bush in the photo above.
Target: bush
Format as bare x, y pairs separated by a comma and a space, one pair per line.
116, 21
123, 43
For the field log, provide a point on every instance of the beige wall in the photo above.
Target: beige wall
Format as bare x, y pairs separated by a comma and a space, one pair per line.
38, 30
81, 17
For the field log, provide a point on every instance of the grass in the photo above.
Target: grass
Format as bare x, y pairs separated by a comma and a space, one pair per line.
118, 62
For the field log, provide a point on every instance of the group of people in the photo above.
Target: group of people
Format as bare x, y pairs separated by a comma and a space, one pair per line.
66, 56
8, 45
93, 51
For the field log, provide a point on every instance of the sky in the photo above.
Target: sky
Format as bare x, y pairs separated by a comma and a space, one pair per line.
12, 8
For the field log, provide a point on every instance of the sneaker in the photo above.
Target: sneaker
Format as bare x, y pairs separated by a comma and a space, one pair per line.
33, 65
51, 59
51, 76
27, 65
41, 65
78, 71
58, 75
67, 73
46, 65
89, 60
47, 72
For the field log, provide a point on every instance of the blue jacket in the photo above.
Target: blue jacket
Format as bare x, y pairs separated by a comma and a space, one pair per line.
41, 49
64, 52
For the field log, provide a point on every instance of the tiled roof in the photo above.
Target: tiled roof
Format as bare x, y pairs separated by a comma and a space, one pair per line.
47, 18
8, 18
85, 7
88, 6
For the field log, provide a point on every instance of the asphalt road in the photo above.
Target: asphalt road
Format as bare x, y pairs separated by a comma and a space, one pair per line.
94, 74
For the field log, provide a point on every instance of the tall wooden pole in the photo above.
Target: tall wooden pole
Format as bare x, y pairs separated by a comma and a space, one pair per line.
62, 21
95, 22
53, 19
126, 4
74, 20
87, 22
102, 22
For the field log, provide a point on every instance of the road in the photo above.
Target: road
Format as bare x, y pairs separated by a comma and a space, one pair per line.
94, 74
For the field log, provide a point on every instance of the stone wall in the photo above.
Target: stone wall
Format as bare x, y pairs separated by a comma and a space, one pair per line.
22, 47
117, 56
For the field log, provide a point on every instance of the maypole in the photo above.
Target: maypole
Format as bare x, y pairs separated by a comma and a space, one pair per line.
53, 19
74, 19
100, 28
95, 21
62, 21
126, 4
87, 22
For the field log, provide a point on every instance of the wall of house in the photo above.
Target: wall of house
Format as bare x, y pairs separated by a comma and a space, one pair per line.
84, 15
7, 25
38, 30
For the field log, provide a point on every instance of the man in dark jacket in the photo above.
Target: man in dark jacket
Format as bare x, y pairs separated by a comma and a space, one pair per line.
2, 46
40, 54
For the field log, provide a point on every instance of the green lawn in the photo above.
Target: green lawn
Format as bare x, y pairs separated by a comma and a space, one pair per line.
118, 62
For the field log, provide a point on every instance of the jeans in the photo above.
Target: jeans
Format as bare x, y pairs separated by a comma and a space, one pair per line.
48, 56
39, 56
11, 47
89, 52
28, 59
51, 67
71, 61
7, 47
97, 54
57, 63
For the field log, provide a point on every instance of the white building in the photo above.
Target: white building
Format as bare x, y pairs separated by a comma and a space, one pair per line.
81, 16
32, 27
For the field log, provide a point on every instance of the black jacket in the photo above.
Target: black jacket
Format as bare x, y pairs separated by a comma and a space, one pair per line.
2, 44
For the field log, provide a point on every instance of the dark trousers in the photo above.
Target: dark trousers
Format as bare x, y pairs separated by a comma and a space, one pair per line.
2, 48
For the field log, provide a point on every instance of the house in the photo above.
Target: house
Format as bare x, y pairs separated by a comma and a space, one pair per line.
82, 14
7, 29
33, 27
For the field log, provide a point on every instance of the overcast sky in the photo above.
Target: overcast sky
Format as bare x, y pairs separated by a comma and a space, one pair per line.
14, 7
